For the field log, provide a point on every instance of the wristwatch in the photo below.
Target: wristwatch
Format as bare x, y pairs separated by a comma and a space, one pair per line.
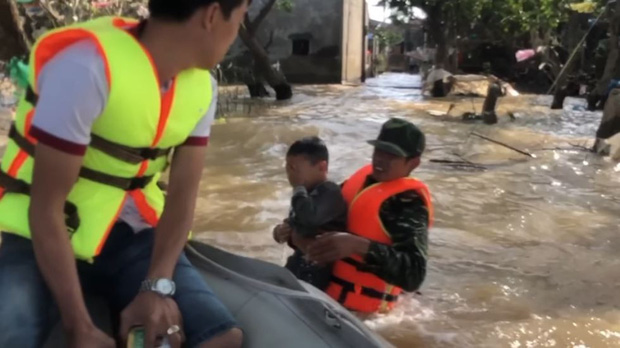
162, 286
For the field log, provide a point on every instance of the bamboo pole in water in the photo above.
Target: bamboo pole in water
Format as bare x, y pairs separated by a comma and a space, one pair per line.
503, 144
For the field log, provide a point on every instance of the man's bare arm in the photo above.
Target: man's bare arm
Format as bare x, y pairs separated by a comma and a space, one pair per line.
55, 173
154, 312
177, 218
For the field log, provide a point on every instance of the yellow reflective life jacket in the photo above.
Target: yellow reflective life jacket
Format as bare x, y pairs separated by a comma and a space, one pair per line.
131, 139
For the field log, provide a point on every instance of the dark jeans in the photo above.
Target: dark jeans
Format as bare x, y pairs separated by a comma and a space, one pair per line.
28, 311
318, 276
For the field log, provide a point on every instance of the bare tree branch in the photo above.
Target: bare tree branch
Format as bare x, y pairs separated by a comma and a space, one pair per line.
253, 25
246, 21
54, 16
120, 8
270, 41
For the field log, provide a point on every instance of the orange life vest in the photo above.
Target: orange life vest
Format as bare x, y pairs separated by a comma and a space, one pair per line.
354, 289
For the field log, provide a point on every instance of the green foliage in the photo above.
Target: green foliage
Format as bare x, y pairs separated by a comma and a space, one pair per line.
388, 36
381, 63
40, 16
527, 15
70, 11
285, 5
498, 19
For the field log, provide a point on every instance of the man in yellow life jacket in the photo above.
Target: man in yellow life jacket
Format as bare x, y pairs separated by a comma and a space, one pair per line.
107, 102
388, 220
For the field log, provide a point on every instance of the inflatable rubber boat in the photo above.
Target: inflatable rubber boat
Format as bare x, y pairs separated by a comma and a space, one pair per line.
274, 308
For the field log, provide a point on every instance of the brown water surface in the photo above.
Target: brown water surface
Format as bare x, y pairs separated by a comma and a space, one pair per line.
524, 254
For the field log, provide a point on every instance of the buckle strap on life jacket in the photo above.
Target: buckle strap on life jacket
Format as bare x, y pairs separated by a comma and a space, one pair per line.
124, 153
366, 291
21, 141
348, 287
126, 184
133, 155
31, 97
352, 262
14, 185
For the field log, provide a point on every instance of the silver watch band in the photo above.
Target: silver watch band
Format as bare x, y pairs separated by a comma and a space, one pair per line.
152, 285
147, 285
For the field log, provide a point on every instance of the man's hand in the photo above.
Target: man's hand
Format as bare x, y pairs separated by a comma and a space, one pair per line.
156, 314
300, 242
282, 233
177, 218
90, 336
333, 246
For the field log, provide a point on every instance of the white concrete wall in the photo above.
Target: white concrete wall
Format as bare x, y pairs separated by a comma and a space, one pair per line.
353, 41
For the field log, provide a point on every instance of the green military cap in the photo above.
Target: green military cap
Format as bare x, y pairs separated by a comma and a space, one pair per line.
401, 138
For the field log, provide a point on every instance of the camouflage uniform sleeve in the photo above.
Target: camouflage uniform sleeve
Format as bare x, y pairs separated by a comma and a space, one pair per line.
405, 217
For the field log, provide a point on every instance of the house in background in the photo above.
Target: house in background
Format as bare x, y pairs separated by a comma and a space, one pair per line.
319, 41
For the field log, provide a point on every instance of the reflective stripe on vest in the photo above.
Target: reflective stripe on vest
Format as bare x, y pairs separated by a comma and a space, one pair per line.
136, 115
354, 289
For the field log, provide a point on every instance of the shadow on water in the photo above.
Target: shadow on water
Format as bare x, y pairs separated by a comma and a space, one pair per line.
523, 254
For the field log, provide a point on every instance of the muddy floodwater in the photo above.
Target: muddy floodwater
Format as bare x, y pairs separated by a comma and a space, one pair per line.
524, 253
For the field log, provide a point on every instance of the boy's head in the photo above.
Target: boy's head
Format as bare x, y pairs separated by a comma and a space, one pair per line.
397, 150
307, 162
210, 25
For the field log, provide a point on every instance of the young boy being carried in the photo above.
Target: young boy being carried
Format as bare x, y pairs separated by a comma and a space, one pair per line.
317, 206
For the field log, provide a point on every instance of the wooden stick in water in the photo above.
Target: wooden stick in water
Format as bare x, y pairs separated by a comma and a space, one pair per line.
458, 163
502, 144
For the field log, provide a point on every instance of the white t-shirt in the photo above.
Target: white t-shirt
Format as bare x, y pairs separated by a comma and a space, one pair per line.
73, 91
